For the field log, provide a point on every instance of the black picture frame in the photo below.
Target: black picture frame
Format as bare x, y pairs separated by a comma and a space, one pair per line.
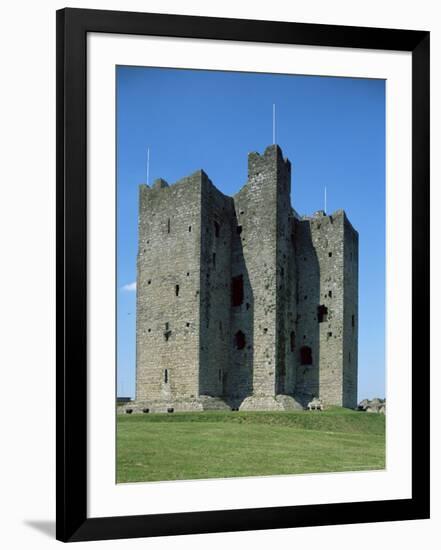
71, 427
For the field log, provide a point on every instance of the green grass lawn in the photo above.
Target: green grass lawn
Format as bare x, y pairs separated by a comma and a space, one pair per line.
155, 447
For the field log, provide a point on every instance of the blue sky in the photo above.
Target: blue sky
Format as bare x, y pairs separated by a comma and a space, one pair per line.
331, 129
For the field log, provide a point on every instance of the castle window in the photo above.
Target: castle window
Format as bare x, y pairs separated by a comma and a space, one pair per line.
216, 229
239, 229
177, 290
187, 324
349, 357
214, 259
237, 290
330, 254
188, 274
168, 225
322, 314
329, 334
165, 376
239, 340
293, 341
248, 305
353, 321
149, 281
305, 355
166, 326
330, 293
189, 228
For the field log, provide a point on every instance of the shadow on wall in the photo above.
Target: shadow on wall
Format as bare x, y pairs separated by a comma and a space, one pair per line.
307, 352
239, 381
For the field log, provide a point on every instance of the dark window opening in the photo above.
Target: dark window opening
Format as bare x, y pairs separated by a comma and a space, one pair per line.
188, 324
293, 341
239, 340
214, 259
166, 326
165, 376
349, 357
265, 330
239, 229
282, 272
330, 254
330, 293
305, 355
168, 225
177, 290
248, 305
189, 228
322, 314
216, 229
149, 330
149, 281
237, 290
188, 274
353, 321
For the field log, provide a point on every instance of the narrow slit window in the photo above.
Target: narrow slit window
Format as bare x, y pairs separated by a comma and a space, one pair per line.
189, 228
214, 259
216, 229
177, 290
168, 225
293, 341
330, 293
237, 290
322, 314
239, 340
165, 376
353, 321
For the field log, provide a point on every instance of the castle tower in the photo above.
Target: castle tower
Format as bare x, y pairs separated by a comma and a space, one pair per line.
327, 320
241, 303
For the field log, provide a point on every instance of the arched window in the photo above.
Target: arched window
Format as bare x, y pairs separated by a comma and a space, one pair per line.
305, 355
239, 340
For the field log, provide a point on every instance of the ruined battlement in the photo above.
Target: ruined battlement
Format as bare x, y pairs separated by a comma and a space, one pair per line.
242, 303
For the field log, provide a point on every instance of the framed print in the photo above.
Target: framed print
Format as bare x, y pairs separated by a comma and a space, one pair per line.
242, 274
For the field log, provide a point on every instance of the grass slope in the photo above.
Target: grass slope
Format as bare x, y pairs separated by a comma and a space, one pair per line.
155, 447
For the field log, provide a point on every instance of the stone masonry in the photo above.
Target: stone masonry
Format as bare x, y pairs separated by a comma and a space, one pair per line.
241, 303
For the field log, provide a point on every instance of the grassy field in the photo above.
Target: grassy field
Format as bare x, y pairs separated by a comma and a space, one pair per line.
154, 447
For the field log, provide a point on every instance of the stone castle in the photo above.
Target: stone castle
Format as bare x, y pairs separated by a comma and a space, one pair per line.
242, 303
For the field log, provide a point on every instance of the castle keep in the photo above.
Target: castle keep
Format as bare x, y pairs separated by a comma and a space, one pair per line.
241, 303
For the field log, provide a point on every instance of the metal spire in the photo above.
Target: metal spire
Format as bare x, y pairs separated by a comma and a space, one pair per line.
274, 123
